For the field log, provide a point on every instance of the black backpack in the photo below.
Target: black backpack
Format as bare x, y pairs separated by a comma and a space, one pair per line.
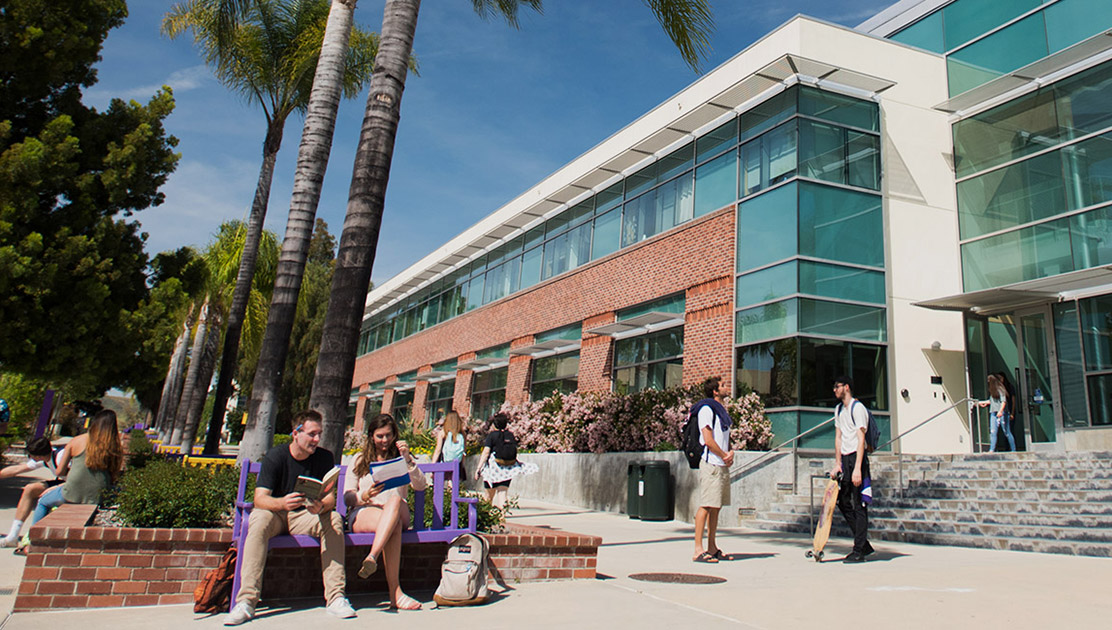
872, 432
505, 447
691, 445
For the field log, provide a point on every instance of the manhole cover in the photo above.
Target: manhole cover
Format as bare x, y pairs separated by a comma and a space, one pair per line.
677, 578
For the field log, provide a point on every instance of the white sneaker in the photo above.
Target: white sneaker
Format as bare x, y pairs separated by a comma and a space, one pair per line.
340, 607
240, 613
9, 541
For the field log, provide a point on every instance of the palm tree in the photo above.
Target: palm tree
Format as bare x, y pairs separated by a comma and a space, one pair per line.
172, 386
270, 57
687, 22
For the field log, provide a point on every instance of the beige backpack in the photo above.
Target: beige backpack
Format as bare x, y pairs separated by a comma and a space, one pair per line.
463, 576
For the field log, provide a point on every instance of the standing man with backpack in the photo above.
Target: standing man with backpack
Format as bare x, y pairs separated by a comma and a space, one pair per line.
714, 467
851, 461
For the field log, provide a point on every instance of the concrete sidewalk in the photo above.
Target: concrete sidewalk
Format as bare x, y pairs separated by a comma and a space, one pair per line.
769, 585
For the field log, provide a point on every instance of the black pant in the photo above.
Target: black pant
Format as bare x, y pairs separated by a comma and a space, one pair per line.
849, 502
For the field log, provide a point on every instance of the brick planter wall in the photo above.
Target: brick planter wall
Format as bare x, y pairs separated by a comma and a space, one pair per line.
71, 565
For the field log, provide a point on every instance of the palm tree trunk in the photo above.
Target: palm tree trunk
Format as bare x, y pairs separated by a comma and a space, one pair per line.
359, 240
246, 274
191, 377
200, 394
171, 388
312, 161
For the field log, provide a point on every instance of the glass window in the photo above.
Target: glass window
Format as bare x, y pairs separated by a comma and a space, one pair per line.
639, 219
534, 236
608, 230
836, 108
1032, 252
1013, 47
925, 34
1071, 21
768, 114
531, 267
766, 284
641, 181
609, 198
714, 142
779, 319
402, 408
488, 392
823, 360
669, 304
1013, 130
438, 401
822, 151
836, 281
769, 160
862, 160
675, 201
817, 317
771, 370
968, 19
1091, 237
649, 361
1089, 168
1021, 193
716, 184
1100, 399
839, 224
1096, 330
676, 162
554, 374
1082, 101
1071, 367
475, 293
767, 227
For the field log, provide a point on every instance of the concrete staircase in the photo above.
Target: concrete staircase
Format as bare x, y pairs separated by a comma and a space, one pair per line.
1043, 502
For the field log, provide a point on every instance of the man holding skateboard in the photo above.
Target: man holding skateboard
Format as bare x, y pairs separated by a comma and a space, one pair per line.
851, 420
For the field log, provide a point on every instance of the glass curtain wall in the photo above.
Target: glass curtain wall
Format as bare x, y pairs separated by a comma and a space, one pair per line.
984, 39
488, 392
558, 373
438, 401
799, 132
810, 287
1035, 183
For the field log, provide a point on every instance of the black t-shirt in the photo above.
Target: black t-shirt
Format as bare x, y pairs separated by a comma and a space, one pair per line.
280, 470
495, 439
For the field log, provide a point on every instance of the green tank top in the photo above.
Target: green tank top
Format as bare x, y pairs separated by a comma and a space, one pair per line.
84, 485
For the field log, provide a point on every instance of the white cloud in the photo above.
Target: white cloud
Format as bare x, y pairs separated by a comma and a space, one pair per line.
183, 80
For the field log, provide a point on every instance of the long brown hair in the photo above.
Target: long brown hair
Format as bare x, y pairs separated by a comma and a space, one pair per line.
996, 388
363, 465
453, 425
105, 451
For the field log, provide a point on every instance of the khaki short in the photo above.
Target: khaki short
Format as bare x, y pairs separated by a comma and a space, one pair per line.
714, 485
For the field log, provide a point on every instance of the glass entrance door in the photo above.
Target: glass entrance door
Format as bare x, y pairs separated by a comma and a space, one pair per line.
1036, 395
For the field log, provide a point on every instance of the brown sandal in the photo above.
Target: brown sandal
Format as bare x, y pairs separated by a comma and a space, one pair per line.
706, 558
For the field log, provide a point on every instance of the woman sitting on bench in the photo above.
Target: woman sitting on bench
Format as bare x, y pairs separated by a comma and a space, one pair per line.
384, 512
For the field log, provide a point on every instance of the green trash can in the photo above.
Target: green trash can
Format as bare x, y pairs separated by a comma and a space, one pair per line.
633, 490
656, 502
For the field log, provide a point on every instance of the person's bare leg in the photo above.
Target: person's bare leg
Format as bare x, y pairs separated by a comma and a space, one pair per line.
500, 495
700, 525
712, 530
388, 524
27, 500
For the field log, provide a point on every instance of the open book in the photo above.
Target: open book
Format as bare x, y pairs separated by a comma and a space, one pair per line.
317, 489
390, 473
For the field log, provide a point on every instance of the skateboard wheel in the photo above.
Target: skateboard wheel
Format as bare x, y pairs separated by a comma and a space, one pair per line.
819, 556
810, 553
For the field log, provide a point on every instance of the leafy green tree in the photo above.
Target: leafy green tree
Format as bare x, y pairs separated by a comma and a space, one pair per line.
72, 265
269, 55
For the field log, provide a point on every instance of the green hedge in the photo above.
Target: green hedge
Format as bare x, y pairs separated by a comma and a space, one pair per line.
167, 494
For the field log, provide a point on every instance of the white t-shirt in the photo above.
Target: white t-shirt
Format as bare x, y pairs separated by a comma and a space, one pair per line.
51, 464
721, 436
849, 426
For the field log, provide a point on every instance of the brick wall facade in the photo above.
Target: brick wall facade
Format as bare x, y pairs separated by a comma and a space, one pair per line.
697, 258
74, 566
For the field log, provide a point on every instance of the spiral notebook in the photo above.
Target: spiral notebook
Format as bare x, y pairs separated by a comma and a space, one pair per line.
390, 473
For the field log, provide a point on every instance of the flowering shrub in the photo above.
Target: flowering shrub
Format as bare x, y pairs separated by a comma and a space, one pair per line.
600, 422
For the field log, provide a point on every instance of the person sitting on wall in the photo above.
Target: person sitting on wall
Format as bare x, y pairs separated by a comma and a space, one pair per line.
279, 510
40, 454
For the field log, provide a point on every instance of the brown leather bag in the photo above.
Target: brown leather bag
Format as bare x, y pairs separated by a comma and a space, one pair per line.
212, 595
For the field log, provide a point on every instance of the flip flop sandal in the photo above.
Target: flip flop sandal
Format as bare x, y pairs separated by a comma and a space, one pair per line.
405, 602
370, 565
706, 558
21, 551
718, 555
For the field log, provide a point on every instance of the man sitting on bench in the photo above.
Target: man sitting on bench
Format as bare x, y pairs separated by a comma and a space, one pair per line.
278, 510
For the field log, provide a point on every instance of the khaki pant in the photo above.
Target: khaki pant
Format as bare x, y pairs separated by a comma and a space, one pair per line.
264, 525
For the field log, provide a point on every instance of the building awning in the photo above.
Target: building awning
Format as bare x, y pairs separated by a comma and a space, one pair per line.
1068, 286
546, 348
641, 324
1087, 53
435, 375
484, 363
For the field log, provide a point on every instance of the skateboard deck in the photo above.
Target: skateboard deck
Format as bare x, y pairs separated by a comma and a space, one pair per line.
826, 513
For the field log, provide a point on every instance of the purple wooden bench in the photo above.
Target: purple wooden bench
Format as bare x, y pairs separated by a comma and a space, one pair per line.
417, 532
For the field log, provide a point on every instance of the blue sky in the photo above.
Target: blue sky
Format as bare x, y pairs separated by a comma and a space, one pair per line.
494, 111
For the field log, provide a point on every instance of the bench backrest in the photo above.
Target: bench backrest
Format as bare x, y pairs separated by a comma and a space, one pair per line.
441, 473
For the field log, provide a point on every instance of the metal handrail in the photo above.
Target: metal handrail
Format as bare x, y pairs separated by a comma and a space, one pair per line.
775, 451
899, 452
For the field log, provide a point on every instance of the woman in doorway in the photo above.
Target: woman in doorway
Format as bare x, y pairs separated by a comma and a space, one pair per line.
999, 411
384, 512
450, 442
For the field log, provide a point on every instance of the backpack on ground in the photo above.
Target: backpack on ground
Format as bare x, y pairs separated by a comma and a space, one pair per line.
463, 575
691, 445
214, 592
872, 430
505, 449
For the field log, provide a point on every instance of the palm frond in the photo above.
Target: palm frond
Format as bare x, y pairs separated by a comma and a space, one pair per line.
689, 24
507, 9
